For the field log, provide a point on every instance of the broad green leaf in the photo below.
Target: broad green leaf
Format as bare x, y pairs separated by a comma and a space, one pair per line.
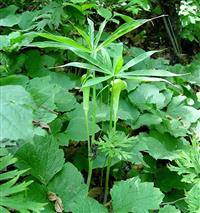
122, 30
147, 94
76, 129
174, 126
40, 68
8, 10
9, 21
92, 82
105, 13
63, 80
159, 146
178, 109
127, 111
43, 157
147, 119
167, 180
74, 193
39, 193
68, 184
169, 209
137, 60
8, 17
64, 40
14, 80
82, 66
64, 101
44, 92
134, 196
88, 205
15, 113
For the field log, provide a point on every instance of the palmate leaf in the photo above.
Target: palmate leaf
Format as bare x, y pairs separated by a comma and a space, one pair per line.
93, 61
134, 196
122, 30
69, 43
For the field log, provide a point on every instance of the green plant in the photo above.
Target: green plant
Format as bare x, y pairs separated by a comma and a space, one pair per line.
188, 164
11, 196
103, 127
115, 145
189, 13
112, 69
188, 167
89, 53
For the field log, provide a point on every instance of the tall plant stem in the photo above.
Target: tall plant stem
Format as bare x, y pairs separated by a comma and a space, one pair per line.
90, 157
111, 108
109, 161
89, 152
107, 179
111, 111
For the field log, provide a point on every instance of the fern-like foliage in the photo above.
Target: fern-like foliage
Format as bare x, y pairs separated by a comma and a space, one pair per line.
192, 198
11, 192
116, 144
188, 165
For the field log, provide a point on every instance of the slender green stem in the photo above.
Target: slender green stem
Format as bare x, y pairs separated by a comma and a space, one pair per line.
111, 108
94, 113
90, 158
111, 111
107, 179
89, 152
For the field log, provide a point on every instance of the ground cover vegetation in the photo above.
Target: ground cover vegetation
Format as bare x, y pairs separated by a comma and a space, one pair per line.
100, 106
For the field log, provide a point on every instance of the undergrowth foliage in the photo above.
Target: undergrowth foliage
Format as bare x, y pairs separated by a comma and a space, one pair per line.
90, 123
